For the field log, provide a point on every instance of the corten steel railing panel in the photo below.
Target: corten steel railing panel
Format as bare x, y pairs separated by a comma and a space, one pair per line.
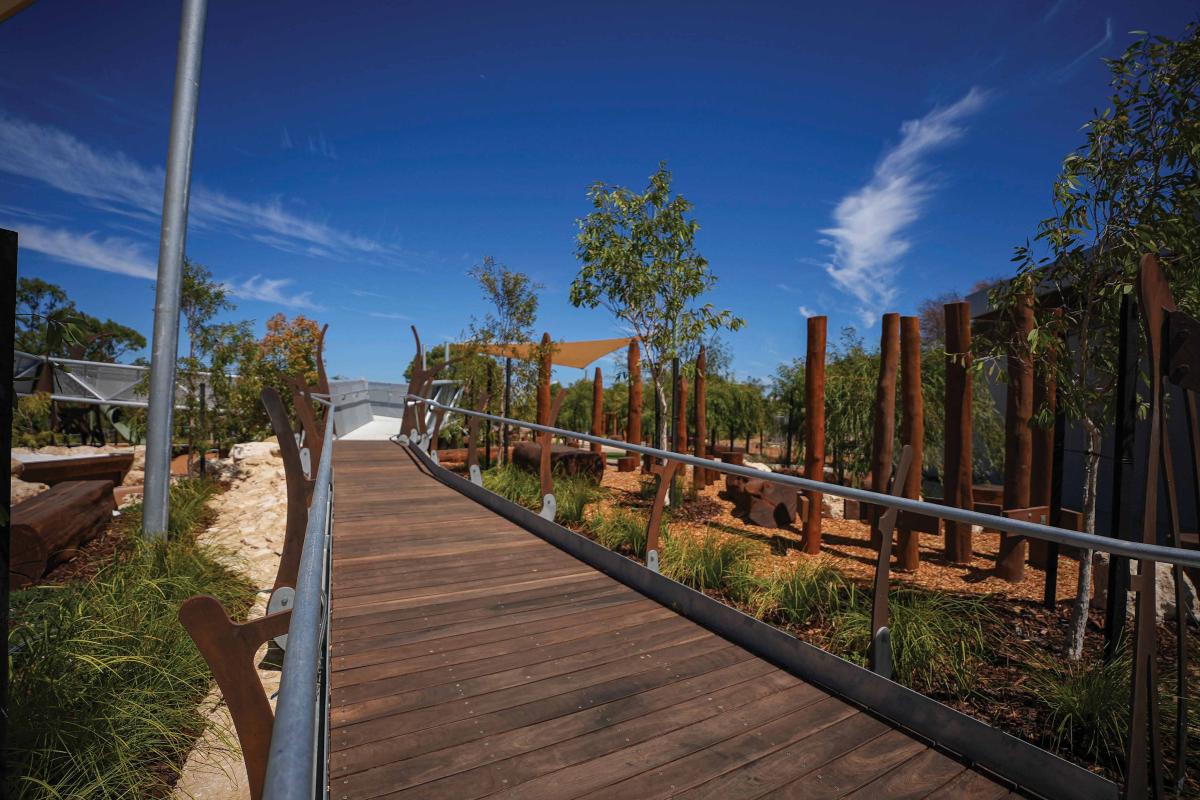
296, 761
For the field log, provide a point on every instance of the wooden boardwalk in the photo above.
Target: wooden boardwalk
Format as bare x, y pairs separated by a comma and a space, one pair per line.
473, 659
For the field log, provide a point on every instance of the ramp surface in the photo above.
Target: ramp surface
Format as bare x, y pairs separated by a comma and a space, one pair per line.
473, 659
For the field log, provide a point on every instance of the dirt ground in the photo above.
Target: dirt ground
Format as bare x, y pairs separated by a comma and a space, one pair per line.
847, 543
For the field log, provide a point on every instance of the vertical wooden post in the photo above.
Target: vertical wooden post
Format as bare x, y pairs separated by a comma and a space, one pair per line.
598, 418
958, 473
543, 391
1041, 471
700, 475
884, 429
912, 433
681, 425
814, 424
633, 433
1018, 440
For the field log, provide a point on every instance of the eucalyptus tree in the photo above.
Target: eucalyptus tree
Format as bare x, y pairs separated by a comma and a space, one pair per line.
639, 260
513, 300
1129, 189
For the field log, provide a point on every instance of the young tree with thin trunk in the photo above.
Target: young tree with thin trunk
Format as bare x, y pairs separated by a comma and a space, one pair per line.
639, 260
1130, 189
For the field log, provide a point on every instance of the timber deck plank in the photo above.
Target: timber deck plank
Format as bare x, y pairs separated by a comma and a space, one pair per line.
470, 658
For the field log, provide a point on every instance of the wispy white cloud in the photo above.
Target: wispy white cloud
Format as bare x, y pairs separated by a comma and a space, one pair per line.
270, 290
867, 237
365, 293
1053, 10
105, 253
116, 183
387, 315
134, 259
1062, 74
783, 287
805, 311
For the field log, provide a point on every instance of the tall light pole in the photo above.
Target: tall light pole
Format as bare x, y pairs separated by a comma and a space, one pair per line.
171, 242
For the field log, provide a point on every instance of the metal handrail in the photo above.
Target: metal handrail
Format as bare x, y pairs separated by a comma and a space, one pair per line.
293, 770
1087, 541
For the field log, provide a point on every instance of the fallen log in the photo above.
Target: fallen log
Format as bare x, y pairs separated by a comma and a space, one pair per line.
570, 461
764, 503
48, 529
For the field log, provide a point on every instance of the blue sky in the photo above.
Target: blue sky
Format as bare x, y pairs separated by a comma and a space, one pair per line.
843, 158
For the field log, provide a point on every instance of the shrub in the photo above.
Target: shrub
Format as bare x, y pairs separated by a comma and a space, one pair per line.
514, 484
572, 494
710, 561
796, 594
1087, 705
937, 639
620, 530
106, 684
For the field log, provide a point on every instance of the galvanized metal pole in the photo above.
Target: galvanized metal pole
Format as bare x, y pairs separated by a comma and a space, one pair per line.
170, 267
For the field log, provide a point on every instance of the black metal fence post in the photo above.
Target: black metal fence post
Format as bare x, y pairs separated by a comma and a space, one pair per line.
1122, 476
8, 313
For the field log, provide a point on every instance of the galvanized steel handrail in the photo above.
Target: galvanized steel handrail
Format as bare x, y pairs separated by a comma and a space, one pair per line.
292, 767
1088, 541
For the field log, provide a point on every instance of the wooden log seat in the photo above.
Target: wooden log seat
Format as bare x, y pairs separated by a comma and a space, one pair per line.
570, 461
761, 502
49, 528
100, 467
627, 463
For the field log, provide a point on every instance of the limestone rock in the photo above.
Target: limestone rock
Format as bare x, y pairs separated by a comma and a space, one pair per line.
255, 452
23, 490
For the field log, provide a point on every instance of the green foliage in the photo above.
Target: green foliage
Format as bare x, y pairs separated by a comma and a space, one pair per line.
708, 561
621, 530
1087, 705
106, 684
572, 495
49, 323
31, 421
787, 393
850, 376
514, 484
937, 639
639, 260
513, 297
1131, 188
798, 593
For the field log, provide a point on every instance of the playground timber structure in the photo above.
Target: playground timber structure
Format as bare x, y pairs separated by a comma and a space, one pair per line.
405, 639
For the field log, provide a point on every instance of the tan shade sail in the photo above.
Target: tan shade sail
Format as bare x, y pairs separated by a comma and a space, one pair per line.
566, 354
10, 7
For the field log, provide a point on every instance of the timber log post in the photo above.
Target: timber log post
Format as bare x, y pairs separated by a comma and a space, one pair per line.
958, 473
598, 411
1018, 438
912, 433
633, 428
1041, 470
884, 428
814, 423
545, 353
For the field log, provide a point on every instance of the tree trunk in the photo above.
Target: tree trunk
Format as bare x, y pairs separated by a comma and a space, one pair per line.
1083, 589
664, 413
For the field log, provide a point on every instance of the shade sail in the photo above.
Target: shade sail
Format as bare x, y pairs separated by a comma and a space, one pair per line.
566, 354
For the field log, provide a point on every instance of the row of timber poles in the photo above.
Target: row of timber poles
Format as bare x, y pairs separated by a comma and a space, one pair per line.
1029, 466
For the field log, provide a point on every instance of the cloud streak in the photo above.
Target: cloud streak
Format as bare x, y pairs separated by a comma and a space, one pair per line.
108, 254
270, 290
867, 237
1064, 73
133, 259
116, 183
